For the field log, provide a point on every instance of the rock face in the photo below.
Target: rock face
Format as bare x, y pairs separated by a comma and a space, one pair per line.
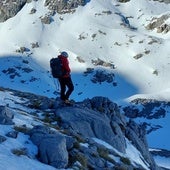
164, 1
136, 133
92, 134
10, 8
96, 118
148, 109
91, 124
64, 6
123, 1
6, 116
52, 147
160, 24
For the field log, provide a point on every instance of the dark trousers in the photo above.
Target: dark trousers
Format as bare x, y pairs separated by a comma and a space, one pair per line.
66, 82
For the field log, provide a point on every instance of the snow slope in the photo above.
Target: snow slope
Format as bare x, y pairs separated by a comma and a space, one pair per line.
133, 76
91, 32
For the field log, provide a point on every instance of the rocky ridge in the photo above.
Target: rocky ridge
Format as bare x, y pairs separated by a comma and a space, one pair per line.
74, 132
149, 109
10, 8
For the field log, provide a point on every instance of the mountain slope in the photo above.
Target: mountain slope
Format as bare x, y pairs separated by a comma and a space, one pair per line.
97, 30
87, 135
117, 50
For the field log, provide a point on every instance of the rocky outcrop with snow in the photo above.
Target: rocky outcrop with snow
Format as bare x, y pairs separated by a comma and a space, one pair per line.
160, 24
92, 134
10, 8
148, 108
6, 116
146, 111
64, 6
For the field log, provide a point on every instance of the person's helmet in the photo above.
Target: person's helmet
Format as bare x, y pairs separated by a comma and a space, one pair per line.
65, 54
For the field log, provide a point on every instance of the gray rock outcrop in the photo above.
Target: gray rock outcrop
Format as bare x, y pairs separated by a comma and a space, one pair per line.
164, 1
10, 8
137, 135
77, 136
63, 6
160, 24
89, 124
96, 118
51, 146
100, 118
123, 1
6, 116
148, 109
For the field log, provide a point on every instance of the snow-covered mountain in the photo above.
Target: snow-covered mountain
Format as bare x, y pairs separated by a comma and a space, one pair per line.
99, 30
117, 50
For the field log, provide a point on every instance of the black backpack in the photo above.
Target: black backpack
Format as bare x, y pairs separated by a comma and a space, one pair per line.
56, 67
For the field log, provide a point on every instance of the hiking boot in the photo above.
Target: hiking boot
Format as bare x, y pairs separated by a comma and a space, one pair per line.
67, 101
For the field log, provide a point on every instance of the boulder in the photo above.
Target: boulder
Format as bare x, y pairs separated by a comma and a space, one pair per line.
52, 147
6, 116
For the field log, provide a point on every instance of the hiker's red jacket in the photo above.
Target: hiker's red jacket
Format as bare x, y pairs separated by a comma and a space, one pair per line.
65, 66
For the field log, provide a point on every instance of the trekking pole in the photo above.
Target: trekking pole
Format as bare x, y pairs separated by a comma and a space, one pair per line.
57, 86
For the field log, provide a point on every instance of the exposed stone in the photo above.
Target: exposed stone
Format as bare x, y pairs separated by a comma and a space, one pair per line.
80, 60
12, 134
100, 62
35, 45
6, 116
82, 130
123, 1
84, 122
2, 139
52, 151
137, 56
163, 28
161, 152
159, 24
148, 109
46, 19
51, 145
22, 50
33, 10
163, 1
88, 71
138, 138
103, 76
10, 8
63, 6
